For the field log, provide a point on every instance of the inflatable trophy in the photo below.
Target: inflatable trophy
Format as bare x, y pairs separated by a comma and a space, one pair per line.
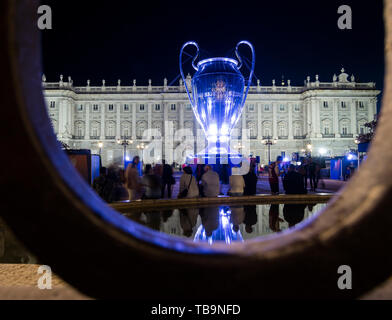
218, 96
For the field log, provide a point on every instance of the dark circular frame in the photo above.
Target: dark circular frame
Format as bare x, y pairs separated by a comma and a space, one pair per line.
104, 255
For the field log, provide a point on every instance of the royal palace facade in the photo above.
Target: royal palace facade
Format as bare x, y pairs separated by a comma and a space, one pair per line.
325, 115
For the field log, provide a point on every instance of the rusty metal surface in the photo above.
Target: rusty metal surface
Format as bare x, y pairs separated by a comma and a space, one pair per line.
103, 254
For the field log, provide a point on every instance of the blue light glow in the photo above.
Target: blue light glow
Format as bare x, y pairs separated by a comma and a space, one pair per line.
218, 95
224, 232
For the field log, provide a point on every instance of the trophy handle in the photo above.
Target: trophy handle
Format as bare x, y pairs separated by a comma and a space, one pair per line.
240, 65
193, 64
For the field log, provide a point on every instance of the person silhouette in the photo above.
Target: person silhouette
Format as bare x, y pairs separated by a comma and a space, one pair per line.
294, 213
250, 218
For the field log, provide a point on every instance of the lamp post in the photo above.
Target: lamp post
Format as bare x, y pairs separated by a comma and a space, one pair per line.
309, 149
100, 146
141, 147
125, 143
269, 143
357, 142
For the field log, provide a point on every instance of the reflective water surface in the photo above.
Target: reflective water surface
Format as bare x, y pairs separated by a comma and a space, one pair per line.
226, 223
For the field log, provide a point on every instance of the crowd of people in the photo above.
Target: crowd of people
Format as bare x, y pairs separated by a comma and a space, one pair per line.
158, 181
295, 178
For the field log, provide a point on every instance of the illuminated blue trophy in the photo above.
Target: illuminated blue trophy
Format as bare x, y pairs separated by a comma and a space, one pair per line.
218, 96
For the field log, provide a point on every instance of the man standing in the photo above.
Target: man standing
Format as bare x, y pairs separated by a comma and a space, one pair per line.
293, 183
312, 174
167, 179
250, 182
274, 173
210, 183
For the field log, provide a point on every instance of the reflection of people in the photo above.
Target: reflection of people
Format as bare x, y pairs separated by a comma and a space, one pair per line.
166, 215
274, 220
250, 218
210, 182
293, 182
210, 219
294, 213
188, 220
154, 220
237, 217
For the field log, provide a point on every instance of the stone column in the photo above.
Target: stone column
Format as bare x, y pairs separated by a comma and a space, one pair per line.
317, 123
259, 121
353, 109
103, 110
149, 110
305, 118
290, 124
165, 115
118, 121
336, 118
87, 125
372, 106
274, 121
70, 117
313, 107
181, 107
134, 106
62, 118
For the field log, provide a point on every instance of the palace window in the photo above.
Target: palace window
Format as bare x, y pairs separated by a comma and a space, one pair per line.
141, 107
95, 107
282, 108
344, 131
360, 105
326, 130
173, 107
297, 129
188, 107
111, 107
80, 107
157, 107
325, 104
52, 104
251, 107
344, 105
297, 108
126, 107
267, 108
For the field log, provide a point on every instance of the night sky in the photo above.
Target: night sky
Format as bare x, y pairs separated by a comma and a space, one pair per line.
140, 40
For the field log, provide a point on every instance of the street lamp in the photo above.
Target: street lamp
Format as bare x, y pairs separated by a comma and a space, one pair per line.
269, 143
309, 148
141, 147
100, 146
239, 147
125, 143
323, 151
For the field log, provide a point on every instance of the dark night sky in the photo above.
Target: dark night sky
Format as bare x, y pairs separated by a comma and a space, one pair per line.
141, 39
